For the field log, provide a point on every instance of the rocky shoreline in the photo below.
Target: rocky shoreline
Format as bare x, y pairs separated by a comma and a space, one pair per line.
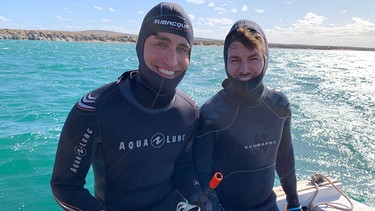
82, 36
116, 37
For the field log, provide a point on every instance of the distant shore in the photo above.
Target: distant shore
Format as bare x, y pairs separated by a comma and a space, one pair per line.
116, 37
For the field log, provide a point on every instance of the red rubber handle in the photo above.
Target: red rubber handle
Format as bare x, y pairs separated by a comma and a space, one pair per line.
215, 180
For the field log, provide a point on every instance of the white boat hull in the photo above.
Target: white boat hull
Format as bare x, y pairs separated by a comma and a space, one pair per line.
327, 195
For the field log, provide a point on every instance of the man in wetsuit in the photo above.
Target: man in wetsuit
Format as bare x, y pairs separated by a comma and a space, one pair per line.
136, 132
244, 129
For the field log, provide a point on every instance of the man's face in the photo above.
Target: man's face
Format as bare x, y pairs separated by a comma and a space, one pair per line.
244, 64
167, 54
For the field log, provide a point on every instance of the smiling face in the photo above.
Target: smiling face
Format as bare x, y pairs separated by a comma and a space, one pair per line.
167, 54
244, 64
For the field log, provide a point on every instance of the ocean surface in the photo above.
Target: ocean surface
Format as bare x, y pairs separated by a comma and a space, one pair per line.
332, 94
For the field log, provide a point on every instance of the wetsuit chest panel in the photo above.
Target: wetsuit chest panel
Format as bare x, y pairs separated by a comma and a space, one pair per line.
145, 142
254, 135
246, 148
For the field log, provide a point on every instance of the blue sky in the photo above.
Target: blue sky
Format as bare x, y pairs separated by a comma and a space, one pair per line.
314, 22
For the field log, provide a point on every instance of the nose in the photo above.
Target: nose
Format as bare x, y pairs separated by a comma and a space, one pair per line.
170, 58
245, 68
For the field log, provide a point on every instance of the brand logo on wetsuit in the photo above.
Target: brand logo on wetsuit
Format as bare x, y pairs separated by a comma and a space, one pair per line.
262, 144
171, 23
157, 141
80, 150
262, 140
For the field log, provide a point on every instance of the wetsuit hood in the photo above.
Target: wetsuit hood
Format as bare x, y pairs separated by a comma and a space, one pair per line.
254, 87
164, 17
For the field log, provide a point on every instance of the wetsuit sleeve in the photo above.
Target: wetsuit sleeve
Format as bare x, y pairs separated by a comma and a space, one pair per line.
184, 173
73, 159
203, 150
285, 167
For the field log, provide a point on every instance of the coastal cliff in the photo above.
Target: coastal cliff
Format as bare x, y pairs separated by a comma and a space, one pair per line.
116, 37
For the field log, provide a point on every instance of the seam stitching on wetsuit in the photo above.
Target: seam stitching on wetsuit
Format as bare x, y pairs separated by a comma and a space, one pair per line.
249, 171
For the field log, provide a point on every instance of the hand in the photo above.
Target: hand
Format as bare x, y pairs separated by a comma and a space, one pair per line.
215, 205
211, 204
207, 206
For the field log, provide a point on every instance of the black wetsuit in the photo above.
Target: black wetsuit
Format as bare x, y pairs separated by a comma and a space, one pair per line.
136, 133
247, 143
244, 133
139, 155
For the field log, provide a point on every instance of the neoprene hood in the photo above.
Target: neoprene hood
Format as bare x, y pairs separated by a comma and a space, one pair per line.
164, 17
254, 86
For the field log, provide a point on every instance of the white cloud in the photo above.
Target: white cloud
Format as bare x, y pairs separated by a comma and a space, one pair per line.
111, 9
211, 4
62, 19
221, 10
361, 26
310, 20
259, 10
4, 19
106, 20
217, 21
244, 8
99, 8
195, 1
312, 30
234, 10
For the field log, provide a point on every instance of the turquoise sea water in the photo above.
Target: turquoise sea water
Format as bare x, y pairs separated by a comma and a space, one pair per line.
332, 95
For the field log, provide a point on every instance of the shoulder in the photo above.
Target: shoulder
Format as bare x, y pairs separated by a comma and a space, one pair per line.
214, 113
91, 100
278, 102
278, 97
215, 107
215, 103
186, 99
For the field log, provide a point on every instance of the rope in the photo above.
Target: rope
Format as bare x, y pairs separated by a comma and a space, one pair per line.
317, 179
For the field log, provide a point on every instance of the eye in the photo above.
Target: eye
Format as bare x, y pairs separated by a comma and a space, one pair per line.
183, 49
161, 44
234, 60
254, 59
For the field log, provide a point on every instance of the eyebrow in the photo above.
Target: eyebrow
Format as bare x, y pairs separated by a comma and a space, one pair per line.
251, 55
158, 37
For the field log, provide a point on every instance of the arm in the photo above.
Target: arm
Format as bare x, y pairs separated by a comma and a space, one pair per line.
73, 159
203, 150
184, 175
285, 167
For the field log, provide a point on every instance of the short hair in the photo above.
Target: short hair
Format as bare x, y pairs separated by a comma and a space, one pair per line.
250, 38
